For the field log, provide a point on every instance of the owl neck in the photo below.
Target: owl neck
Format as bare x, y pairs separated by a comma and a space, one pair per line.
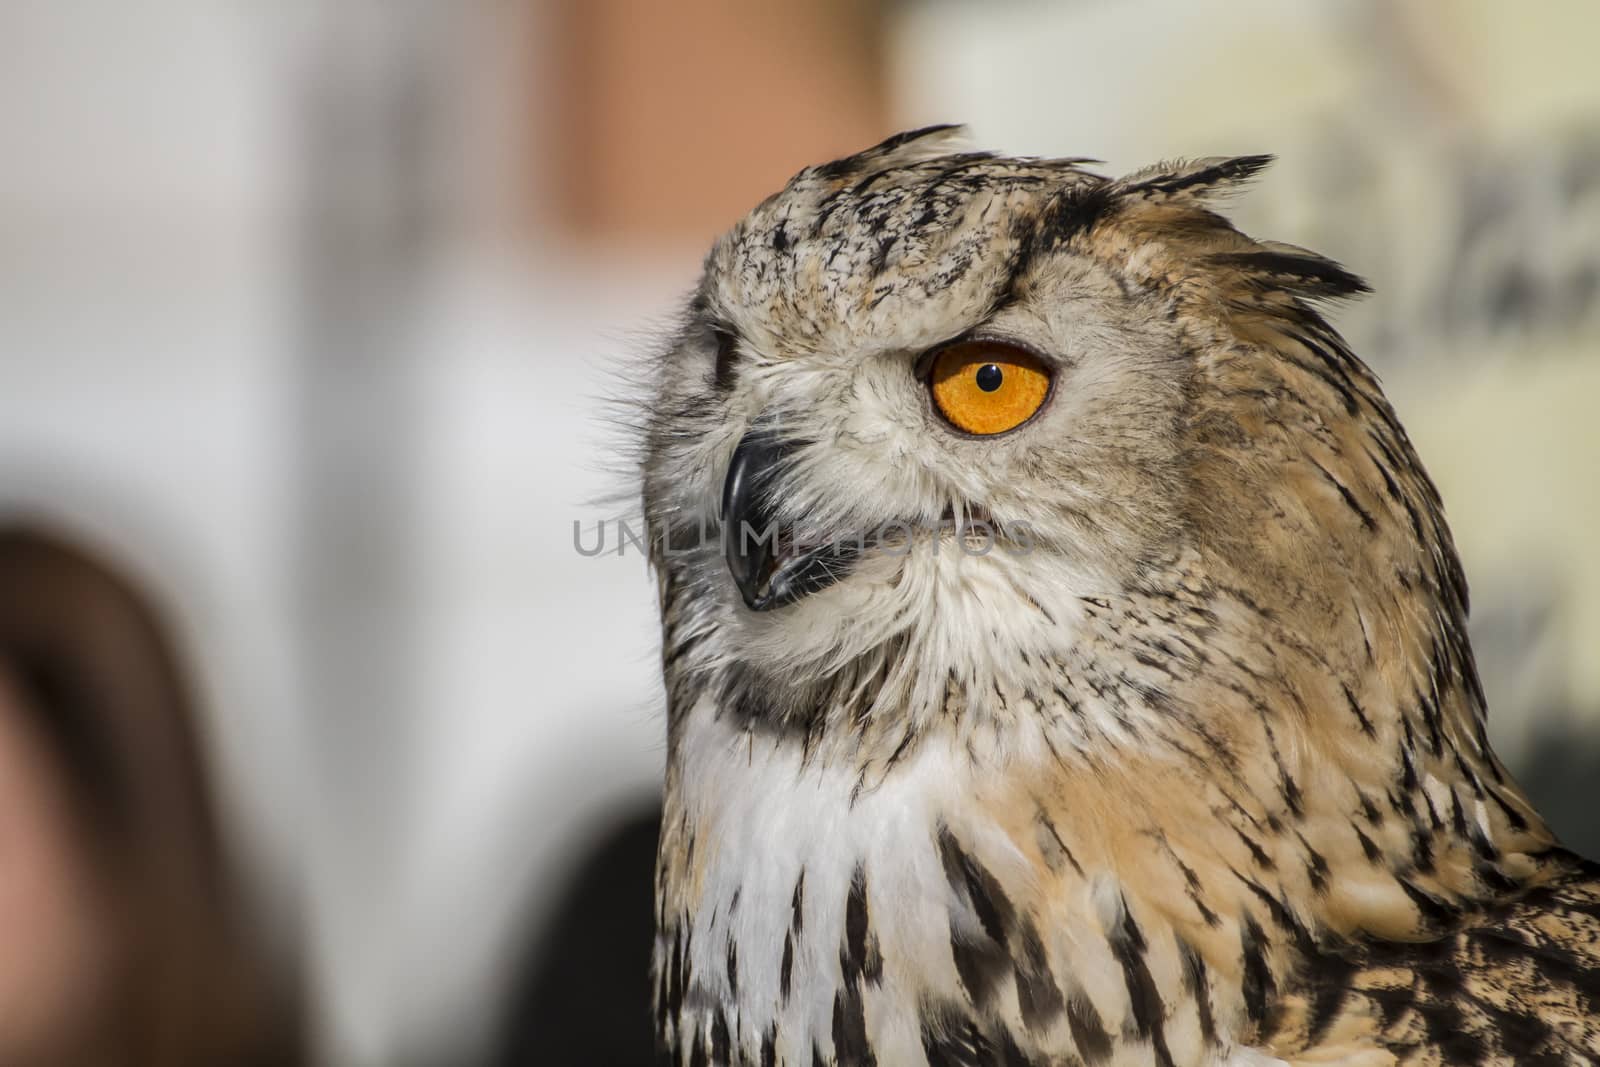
1226, 778
1307, 733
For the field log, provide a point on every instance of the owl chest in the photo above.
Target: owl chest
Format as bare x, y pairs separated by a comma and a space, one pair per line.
804, 920
808, 915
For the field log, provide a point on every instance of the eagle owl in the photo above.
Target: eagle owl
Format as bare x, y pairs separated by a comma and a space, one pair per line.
1065, 653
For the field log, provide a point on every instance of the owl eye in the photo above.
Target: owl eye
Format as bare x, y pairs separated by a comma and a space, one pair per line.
988, 387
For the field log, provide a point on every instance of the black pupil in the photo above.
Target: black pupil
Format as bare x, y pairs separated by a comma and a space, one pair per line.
989, 377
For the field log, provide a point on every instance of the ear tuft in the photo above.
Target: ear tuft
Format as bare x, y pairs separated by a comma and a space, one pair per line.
1295, 270
1196, 179
902, 150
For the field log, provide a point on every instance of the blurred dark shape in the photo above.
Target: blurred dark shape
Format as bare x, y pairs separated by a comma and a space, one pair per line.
1562, 776
582, 999
98, 714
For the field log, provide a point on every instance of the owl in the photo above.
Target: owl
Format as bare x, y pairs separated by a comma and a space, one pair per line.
1065, 653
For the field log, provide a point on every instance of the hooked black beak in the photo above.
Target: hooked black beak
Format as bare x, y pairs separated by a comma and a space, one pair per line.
769, 568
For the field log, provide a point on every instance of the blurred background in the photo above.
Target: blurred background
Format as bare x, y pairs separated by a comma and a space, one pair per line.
308, 310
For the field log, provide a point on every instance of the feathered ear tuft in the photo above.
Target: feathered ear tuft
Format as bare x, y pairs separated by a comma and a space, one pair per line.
1197, 179
902, 150
920, 143
1295, 270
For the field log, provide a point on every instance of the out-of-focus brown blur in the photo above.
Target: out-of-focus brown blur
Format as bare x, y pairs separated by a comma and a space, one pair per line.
309, 314
719, 103
129, 936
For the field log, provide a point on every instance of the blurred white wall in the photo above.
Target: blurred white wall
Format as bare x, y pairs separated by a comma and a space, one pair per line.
158, 349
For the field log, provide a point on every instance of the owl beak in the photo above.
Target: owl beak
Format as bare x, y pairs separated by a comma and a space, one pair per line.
749, 536
770, 570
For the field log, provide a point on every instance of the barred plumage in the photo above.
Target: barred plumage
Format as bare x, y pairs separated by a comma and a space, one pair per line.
1200, 776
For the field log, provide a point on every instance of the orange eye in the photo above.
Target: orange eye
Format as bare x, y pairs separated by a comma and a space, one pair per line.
986, 387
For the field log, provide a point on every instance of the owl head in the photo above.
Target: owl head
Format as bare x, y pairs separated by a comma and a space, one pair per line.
927, 404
